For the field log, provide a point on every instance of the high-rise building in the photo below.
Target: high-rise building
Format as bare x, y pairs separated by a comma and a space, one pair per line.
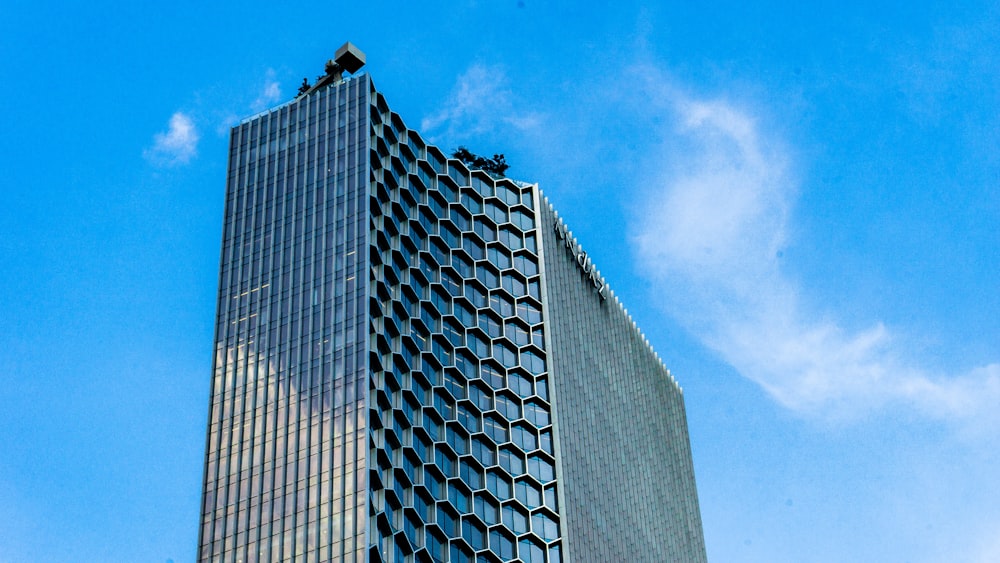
416, 361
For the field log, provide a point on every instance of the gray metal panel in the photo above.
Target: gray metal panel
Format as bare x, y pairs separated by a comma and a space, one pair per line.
625, 459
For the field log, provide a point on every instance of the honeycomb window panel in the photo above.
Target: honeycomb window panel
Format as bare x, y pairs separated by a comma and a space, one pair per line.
508, 193
482, 183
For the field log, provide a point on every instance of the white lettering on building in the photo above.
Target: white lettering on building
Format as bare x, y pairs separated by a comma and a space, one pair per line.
579, 255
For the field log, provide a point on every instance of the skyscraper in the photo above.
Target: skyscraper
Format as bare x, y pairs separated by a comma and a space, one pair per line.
415, 361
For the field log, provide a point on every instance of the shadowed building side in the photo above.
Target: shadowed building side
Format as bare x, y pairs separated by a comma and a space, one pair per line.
622, 441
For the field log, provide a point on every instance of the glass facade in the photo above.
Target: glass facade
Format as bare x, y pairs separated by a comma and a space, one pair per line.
461, 450
388, 363
285, 458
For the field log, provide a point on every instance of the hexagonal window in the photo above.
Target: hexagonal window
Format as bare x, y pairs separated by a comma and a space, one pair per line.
458, 172
442, 350
536, 413
467, 364
502, 304
459, 497
474, 247
508, 193
451, 281
528, 493
505, 354
439, 250
523, 220
541, 469
482, 184
428, 264
510, 238
487, 509
441, 299
478, 343
438, 205
476, 295
529, 312
457, 439
445, 405
487, 274
448, 520
449, 233
465, 314
508, 406
498, 483
495, 428
532, 362
544, 526
499, 256
462, 264
519, 384
525, 264
513, 283
412, 526
515, 519
471, 473
484, 228
551, 498
483, 451
527, 198
472, 202
511, 460
454, 382
502, 544
445, 460
516, 332
461, 218
473, 533
524, 437
430, 317
530, 552
428, 219
495, 211
480, 395
432, 426
491, 324
454, 332
462, 554
467, 418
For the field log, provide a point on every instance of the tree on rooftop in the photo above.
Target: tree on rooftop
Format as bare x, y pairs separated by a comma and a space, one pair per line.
496, 166
304, 87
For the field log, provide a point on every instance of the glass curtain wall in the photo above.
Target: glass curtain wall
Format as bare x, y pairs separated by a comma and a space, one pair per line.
285, 457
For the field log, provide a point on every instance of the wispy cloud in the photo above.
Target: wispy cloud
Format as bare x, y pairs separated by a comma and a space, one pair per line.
269, 94
710, 236
177, 145
480, 103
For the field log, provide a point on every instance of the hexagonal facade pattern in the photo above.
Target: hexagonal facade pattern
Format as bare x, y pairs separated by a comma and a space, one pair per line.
461, 451
411, 357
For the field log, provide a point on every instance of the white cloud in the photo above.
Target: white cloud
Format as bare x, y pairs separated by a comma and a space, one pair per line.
480, 103
710, 233
177, 145
269, 94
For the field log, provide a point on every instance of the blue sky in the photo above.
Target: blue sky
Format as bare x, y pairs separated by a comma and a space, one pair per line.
797, 202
